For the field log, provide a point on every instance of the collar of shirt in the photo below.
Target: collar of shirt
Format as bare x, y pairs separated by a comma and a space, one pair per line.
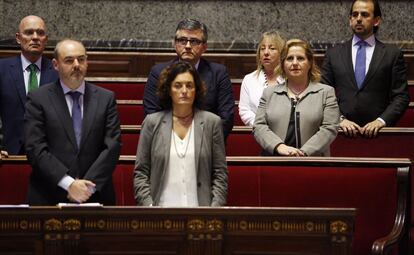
26, 63
370, 40
66, 89
197, 64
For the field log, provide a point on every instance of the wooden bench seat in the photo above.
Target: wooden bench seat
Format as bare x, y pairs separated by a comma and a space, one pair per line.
132, 113
378, 188
133, 88
391, 142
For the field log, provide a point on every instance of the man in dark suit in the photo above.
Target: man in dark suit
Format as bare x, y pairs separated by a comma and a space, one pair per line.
15, 79
72, 134
372, 94
2, 152
190, 43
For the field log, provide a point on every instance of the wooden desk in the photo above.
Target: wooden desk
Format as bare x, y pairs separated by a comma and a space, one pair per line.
192, 231
377, 187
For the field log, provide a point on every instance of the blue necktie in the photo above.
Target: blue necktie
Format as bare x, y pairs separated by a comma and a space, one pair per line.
76, 115
360, 63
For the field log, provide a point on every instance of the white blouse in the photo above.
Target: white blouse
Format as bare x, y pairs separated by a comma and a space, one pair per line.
180, 182
250, 93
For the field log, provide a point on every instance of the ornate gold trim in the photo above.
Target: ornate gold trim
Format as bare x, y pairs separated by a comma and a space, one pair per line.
338, 227
278, 226
53, 225
195, 225
214, 225
72, 225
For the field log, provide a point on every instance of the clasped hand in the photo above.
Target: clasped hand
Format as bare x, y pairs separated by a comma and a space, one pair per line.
3, 154
80, 190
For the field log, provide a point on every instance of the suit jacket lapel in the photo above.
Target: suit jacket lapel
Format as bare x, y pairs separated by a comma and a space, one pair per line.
198, 136
165, 133
90, 106
376, 60
347, 62
205, 73
59, 103
16, 72
46, 70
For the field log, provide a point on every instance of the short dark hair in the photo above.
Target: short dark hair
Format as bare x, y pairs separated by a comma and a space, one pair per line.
377, 10
192, 24
169, 74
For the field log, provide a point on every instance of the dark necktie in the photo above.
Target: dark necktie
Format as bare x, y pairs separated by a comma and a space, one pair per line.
360, 63
76, 115
33, 77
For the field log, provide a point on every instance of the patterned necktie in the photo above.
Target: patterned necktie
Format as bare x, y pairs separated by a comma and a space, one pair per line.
76, 115
33, 77
360, 63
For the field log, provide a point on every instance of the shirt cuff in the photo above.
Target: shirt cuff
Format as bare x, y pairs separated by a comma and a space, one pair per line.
65, 182
383, 121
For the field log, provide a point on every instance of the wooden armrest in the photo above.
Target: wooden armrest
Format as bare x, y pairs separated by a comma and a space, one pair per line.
384, 244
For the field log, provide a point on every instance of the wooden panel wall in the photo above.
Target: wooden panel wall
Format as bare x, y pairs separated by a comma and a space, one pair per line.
138, 64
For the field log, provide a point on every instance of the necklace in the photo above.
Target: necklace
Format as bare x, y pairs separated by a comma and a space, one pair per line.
296, 93
266, 80
182, 155
183, 117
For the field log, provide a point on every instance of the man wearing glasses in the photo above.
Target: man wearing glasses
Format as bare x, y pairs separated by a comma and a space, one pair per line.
190, 43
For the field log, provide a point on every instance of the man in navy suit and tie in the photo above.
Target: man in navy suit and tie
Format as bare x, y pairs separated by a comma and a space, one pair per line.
370, 77
190, 43
72, 134
20, 74
2, 152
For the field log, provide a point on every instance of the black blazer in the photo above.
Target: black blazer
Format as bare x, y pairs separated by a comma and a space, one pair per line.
13, 99
384, 93
219, 98
52, 149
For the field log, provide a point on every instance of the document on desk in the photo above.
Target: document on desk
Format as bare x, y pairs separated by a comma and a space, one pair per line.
60, 205
15, 206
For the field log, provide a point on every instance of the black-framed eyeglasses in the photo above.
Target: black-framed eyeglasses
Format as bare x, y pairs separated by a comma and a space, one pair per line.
184, 40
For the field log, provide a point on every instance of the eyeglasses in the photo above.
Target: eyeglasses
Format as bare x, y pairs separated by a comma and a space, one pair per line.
183, 41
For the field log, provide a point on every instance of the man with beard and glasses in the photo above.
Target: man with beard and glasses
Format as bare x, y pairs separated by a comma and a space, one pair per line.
190, 43
370, 77
21, 74
72, 134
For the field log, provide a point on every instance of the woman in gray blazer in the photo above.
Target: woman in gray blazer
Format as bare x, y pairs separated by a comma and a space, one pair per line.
299, 117
181, 158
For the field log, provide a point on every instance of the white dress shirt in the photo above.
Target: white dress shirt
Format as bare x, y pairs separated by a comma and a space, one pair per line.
369, 50
67, 180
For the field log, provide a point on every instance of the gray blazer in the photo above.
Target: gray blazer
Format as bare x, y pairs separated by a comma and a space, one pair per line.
153, 158
319, 118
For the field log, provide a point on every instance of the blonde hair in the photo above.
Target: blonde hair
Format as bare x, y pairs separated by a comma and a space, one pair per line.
314, 74
276, 40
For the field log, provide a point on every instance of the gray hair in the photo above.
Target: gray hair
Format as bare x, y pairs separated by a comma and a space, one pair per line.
192, 24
